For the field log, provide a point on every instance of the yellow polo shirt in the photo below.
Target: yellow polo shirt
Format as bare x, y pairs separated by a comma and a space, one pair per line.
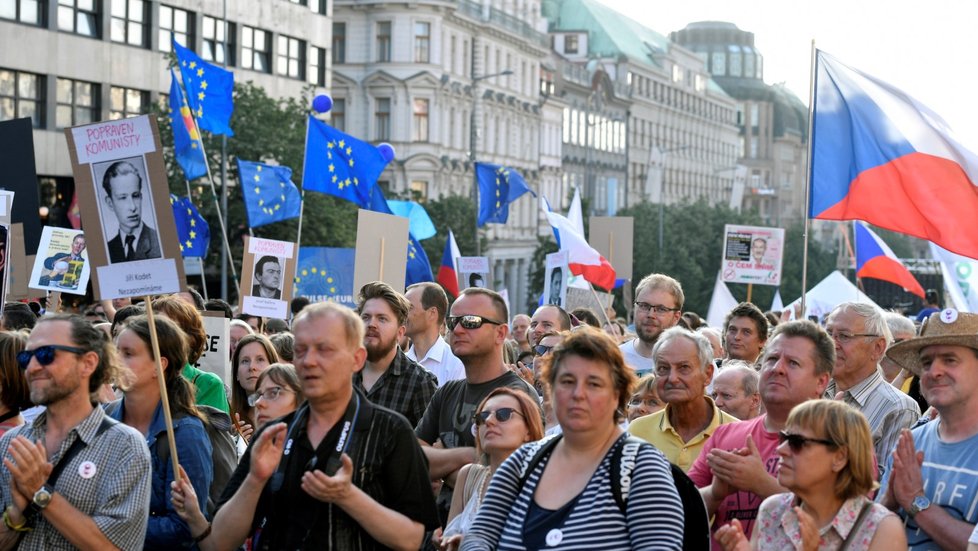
657, 430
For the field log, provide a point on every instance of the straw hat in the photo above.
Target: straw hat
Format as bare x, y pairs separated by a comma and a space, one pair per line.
946, 327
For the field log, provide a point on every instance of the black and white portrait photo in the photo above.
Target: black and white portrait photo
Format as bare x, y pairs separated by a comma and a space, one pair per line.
126, 208
268, 277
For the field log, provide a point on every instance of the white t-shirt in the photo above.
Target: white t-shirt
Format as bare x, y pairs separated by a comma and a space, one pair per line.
440, 361
636, 361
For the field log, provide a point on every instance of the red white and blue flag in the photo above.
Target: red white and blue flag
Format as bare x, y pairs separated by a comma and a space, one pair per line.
874, 259
448, 271
582, 259
880, 156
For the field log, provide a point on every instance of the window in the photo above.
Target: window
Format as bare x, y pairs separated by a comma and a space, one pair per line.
382, 118
215, 32
339, 43
255, 50
749, 65
337, 115
422, 42
128, 23
419, 191
21, 95
736, 62
78, 16
420, 120
300, 2
178, 22
127, 102
317, 66
384, 41
571, 45
290, 58
25, 11
719, 65
77, 103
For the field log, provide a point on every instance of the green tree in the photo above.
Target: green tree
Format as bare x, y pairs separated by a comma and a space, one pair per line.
451, 212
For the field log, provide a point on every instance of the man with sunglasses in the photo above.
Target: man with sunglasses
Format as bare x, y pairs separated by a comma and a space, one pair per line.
737, 467
96, 495
861, 336
658, 306
479, 330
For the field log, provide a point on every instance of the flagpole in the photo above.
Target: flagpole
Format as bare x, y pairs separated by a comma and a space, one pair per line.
203, 280
808, 178
302, 200
598, 300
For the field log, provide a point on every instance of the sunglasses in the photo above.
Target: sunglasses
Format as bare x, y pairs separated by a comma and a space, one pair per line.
542, 350
798, 442
269, 395
45, 354
502, 415
469, 322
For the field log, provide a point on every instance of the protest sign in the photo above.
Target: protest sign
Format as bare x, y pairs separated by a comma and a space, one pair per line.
20, 177
124, 201
752, 254
555, 279
62, 262
613, 237
18, 265
473, 271
326, 274
267, 275
381, 255
216, 356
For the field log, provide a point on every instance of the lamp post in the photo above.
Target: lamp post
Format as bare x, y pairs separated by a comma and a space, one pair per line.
657, 162
472, 136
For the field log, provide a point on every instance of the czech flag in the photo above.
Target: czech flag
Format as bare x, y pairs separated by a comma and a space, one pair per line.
874, 259
448, 271
582, 259
880, 156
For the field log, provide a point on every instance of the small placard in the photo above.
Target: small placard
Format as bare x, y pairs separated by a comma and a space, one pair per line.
473, 271
139, 278
267, 277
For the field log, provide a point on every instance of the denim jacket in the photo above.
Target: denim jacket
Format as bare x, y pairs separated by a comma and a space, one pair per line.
166, 529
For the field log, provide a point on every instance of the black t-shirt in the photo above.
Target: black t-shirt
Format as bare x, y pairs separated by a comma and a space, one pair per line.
388, 466
449, 414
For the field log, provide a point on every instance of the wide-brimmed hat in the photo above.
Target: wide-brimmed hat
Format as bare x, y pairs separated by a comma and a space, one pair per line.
946, 327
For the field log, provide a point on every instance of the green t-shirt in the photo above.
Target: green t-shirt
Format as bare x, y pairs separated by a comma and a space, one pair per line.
209, 388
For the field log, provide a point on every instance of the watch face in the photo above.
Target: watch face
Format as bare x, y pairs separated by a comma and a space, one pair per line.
42, 497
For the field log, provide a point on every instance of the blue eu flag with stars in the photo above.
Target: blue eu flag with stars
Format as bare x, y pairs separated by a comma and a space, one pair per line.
340, 165
209, 91
498, 187
269, 194
418, 267
192, 229
186, 141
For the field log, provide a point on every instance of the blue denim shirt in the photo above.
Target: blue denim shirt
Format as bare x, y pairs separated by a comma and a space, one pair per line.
166, 530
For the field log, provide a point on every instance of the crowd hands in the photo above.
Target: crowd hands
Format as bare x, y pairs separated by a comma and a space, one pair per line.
415, 423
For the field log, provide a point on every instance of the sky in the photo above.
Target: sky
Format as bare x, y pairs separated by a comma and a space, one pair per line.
925, 48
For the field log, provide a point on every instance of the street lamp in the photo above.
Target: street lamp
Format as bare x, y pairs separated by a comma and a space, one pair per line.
475, 176
657, 161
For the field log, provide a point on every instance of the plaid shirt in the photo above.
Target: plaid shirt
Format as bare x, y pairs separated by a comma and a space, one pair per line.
404, 387
116, 496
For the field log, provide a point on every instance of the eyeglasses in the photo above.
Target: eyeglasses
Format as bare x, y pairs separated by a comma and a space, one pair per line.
502, 415
45, 354
542, 349
645, 308
846, 338
797, 442
469, 322
269, 395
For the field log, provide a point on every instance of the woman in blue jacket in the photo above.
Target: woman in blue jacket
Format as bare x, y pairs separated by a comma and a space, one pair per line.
142, 409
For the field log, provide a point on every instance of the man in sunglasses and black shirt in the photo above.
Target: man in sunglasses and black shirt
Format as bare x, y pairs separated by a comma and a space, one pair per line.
477, 321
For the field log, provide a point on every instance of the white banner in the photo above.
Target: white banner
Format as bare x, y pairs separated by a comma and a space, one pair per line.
960, 278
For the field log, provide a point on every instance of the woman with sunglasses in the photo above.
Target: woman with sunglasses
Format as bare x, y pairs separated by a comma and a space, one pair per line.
505, 420
827, 462
560, 492
141, 408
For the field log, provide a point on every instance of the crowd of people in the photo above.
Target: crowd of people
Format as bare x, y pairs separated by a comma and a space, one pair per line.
416, 422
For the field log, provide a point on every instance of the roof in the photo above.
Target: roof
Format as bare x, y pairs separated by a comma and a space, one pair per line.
610, 34
790, 113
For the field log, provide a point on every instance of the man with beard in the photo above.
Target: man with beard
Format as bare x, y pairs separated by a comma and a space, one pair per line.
658, 306
97, 495
389, 378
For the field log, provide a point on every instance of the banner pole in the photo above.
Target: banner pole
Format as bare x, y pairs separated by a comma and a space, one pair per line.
808, 178
164, 398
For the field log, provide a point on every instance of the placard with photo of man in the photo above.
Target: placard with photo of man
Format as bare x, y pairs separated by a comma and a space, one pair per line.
62, 261
127, 210
555, 279
267, 277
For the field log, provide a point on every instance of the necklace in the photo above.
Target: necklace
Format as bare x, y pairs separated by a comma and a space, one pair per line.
484, 487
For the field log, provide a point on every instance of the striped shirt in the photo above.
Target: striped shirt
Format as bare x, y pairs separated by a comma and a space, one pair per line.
653, 517
886, 408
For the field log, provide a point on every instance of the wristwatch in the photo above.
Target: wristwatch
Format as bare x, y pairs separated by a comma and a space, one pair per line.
41, 499
919, 503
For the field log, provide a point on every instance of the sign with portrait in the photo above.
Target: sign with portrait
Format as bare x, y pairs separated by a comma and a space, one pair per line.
123, 196
267, 275
473, 271
752, 254
62, 261
555, 279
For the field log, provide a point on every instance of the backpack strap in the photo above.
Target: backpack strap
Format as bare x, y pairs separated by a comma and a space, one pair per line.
536, 452
623, 458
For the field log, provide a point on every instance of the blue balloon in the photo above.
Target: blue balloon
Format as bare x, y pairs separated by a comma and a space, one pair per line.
322, 103
386, 151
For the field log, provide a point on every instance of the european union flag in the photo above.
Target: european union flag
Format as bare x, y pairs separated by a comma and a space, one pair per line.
498, 187
192, 229
340, 165
209, 91
186, 140
269, 194
326, 274
418, 268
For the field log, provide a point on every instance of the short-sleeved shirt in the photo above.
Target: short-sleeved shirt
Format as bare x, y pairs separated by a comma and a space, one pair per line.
208, 388
741, 505
114, 494
441, 361
636, 361
658, 431
950, 477
404, 387
778, 526
388, 466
